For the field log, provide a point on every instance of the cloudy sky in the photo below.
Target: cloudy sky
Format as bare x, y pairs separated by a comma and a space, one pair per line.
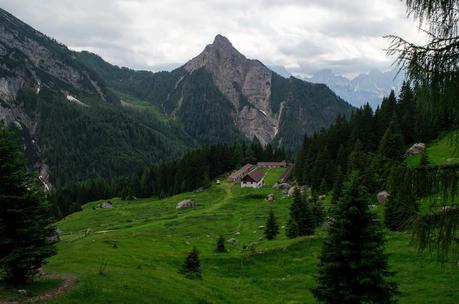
302, 35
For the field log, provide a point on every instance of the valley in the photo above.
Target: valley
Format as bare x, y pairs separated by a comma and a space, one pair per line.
152, 239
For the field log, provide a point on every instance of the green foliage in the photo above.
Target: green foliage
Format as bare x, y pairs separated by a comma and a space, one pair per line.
301, 221
337, 185
192, 266
402, 205
353, 267
220, 244
391, 146
271, 227
25, 226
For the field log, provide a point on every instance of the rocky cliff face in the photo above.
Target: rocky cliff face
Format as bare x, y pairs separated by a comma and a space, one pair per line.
30, 62
247, 85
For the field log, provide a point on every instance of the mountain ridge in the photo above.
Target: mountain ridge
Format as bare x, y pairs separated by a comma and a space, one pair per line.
79, 116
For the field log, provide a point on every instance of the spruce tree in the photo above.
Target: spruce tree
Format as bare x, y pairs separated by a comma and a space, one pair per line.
271, 228
292, 228
391, 144
424, 161
337, 185
353, 267
302, 221
192, 266
25, 227
220, 244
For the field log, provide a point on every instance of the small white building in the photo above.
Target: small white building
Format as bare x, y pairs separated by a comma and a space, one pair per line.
254, 179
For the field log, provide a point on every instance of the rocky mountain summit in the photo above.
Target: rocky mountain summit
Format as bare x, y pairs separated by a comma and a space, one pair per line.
263, 102
247, 85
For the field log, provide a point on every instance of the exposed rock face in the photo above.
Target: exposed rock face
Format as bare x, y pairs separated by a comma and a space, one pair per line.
264, 104
235, 75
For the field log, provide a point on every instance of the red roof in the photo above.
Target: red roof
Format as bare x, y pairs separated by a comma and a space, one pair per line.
241, 172
253, 176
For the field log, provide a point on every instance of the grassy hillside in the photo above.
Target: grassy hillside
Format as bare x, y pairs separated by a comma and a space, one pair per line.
152, 239
442, 151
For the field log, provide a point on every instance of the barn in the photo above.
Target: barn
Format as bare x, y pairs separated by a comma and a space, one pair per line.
236, 176
254, 179
281, 164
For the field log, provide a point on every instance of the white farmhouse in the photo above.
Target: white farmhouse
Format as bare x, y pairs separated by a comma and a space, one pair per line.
254, 179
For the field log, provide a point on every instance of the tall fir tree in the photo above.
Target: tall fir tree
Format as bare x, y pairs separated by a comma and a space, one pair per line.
271, 228
391, 146
353, 267
26, 230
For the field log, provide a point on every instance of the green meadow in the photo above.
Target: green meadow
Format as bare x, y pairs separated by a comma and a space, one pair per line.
132, 253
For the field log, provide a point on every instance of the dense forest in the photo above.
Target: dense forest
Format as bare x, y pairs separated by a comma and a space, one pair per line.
373, 141
195, 169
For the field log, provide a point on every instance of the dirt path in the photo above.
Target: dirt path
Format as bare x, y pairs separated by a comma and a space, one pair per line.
68, 282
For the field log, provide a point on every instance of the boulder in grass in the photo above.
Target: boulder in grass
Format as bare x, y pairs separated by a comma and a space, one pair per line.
282, 186
270, 197
382, 196
291, 191
232, 241
188, 203
106, 205
416, 149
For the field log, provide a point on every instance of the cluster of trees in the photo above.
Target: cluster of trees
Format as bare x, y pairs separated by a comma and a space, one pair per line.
305, 215
370, 140
193, 170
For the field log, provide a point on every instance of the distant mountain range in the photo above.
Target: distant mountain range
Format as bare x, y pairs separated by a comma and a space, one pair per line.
370, 87
81, 117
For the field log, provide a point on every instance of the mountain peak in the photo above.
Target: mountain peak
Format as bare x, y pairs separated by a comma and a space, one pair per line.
222, 41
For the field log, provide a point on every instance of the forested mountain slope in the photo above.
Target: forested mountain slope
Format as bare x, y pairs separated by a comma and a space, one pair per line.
80, 117
73, 127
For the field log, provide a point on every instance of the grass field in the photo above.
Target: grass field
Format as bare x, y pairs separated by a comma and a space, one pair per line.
443, 151
152, 239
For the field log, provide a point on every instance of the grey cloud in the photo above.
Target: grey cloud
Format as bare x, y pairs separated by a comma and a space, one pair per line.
303, 36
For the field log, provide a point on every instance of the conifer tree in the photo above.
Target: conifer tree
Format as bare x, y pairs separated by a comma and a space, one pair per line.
317, 211
337, 185
192, 266
424, 161
292, 228
391, 144
353, 267
271, 228
341, 159
357, 158
302, 221
25, 227
220, 244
